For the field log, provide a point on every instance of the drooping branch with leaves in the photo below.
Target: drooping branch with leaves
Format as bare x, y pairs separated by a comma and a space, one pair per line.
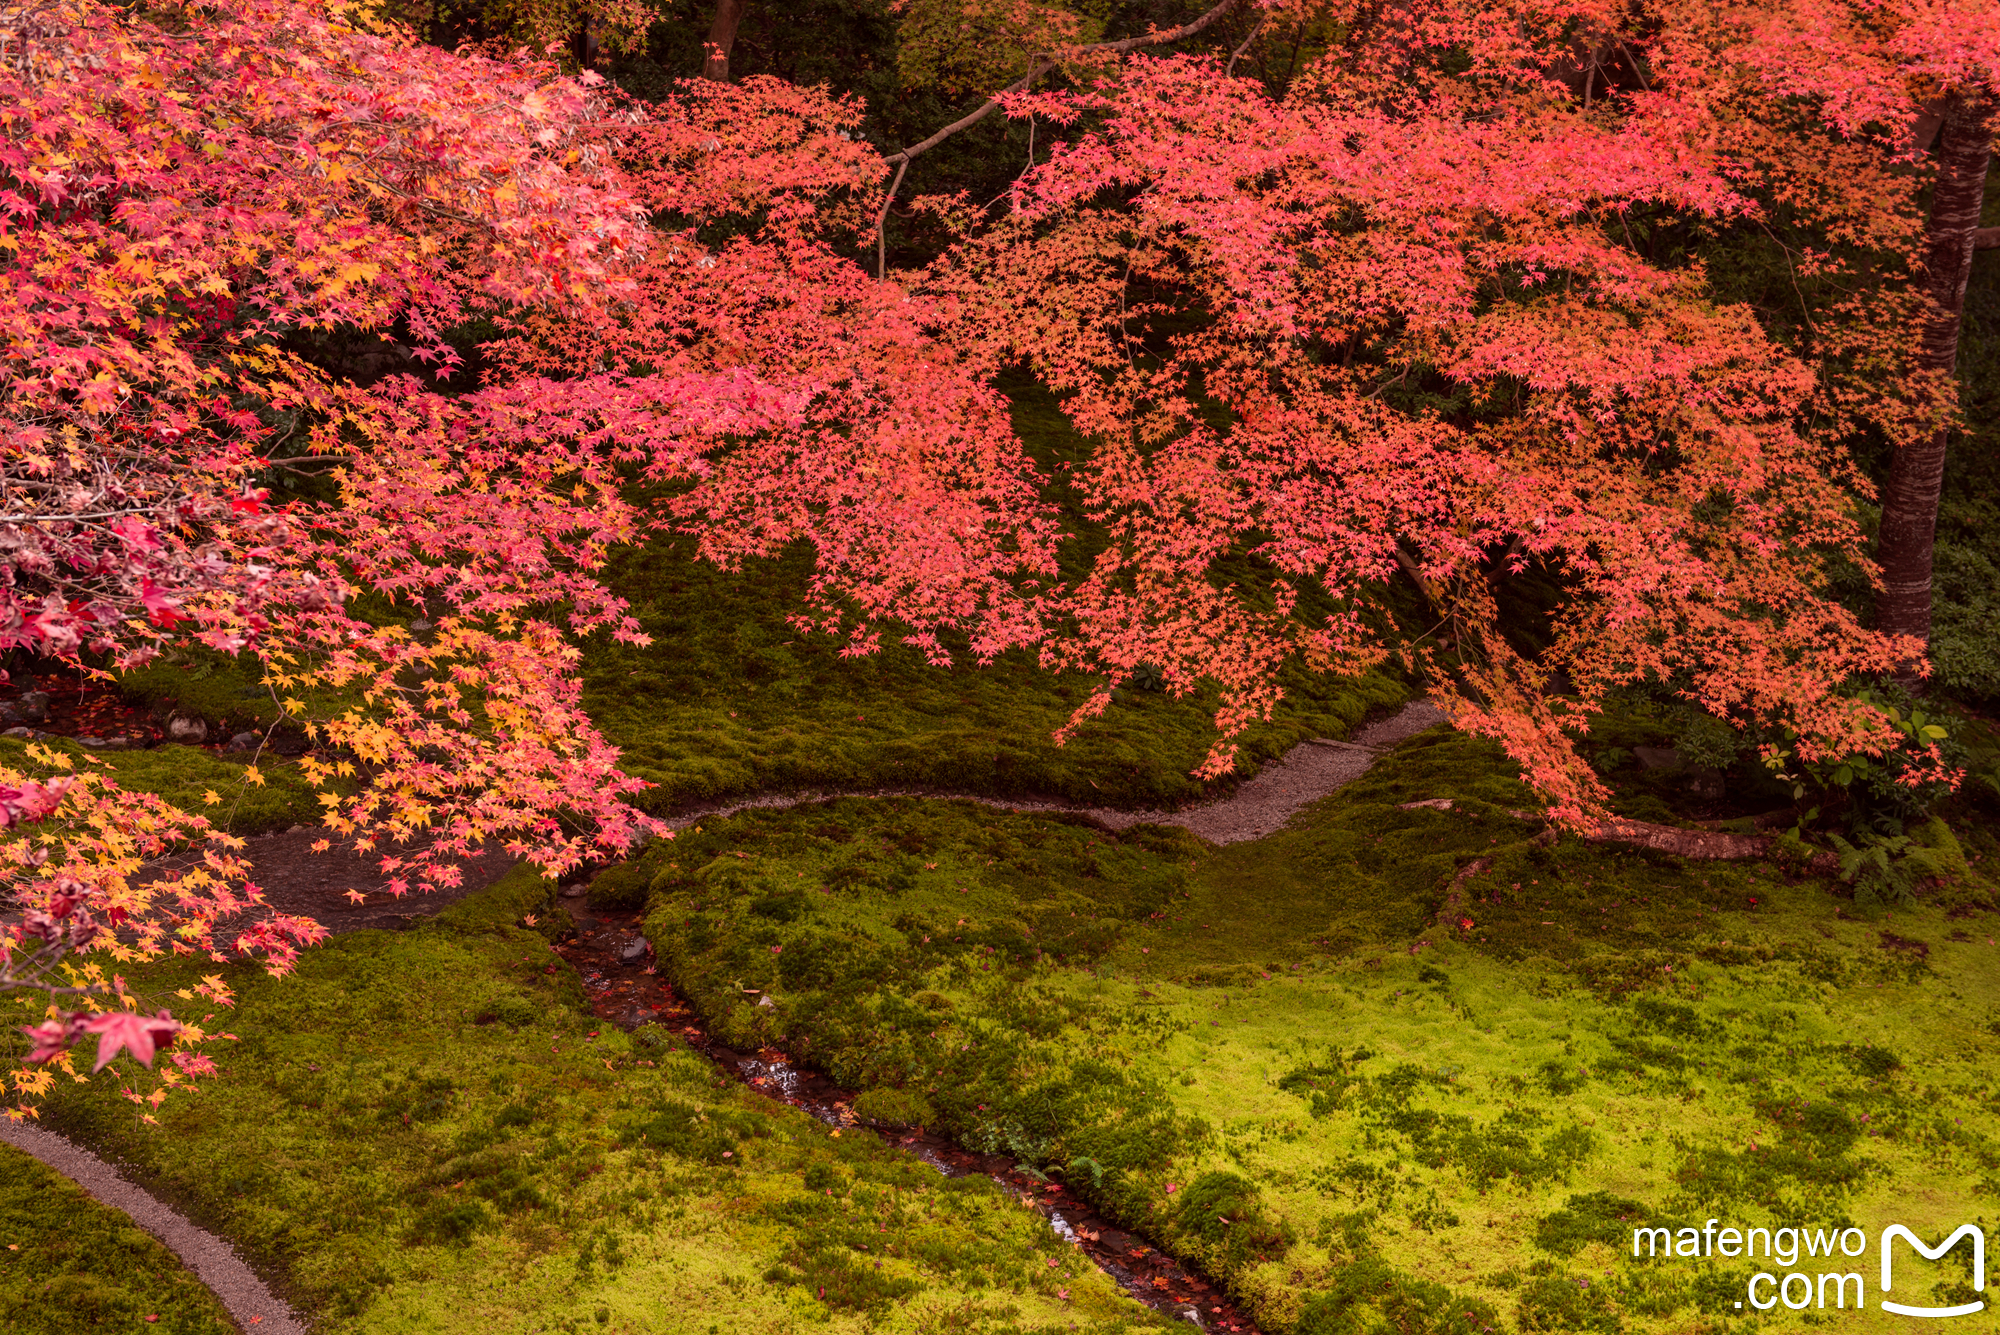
1389, 338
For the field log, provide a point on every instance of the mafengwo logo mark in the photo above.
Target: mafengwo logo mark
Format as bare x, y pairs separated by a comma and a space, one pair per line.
1798, 1289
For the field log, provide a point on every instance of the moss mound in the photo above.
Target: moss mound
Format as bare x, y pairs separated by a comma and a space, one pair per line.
186, 776
401, 1165
73, 1265
1390, 1069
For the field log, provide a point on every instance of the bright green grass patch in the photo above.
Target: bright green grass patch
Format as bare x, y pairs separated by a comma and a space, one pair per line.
1277, 1059
422, 1131
186, 775
68, 1264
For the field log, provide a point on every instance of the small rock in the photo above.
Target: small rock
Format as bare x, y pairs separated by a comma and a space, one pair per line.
767, 1003
634, 951
1192, 1315
1705, 782
187, 731
34, 706
28, 733
242, 741
420, 625
572, 892
8, 713
296, 829
106, 743
1657, 757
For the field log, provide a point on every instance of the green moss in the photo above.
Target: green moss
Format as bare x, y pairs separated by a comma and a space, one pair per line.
71, 1264
186, 775
227, 690
1370, 1295
894, 1107
398, 1165
1405, 1114
744, 702
1596, 1217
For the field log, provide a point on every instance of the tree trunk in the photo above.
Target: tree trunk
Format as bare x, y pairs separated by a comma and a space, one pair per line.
590, 42
722, 38
1916, 473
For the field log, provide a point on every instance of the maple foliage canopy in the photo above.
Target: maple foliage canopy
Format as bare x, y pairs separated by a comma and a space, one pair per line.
1393, 325
1393, 321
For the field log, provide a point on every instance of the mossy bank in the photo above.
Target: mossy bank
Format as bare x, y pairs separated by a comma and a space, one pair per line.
425, 1131
70, 1265
1393, 1068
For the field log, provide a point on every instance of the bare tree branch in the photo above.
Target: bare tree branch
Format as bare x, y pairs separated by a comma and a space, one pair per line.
1037, 67
1237, 54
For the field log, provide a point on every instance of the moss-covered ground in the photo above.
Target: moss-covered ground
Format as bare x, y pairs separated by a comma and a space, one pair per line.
731, 699
1276, 1059
192, 778
69, 1265
1393, 1069
426, 1131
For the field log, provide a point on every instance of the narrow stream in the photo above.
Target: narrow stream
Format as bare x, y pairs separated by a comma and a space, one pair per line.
626, 992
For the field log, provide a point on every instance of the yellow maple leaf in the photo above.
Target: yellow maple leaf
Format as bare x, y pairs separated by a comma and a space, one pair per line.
251, 774
210, 797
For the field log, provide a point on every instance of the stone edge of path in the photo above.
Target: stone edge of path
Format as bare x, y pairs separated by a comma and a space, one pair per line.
252, 1305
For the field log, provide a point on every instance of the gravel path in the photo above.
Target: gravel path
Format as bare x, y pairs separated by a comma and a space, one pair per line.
1257, 807
254, 1307
297, 880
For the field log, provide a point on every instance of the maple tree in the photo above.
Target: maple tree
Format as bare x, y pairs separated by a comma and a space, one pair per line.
1391, 327
183, 190
1916, 70
1393, 321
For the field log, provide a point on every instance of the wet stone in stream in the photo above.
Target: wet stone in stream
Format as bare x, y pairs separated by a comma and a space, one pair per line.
625, 989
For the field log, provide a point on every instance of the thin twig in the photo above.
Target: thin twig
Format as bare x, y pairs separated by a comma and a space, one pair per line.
63, 519
1237, 54
1637, 72
1805, 311
1037, 67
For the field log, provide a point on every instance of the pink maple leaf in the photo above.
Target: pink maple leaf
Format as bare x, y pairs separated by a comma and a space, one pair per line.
162, 609
140, 1034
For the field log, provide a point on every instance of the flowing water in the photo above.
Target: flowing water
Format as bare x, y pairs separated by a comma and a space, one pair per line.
631, 994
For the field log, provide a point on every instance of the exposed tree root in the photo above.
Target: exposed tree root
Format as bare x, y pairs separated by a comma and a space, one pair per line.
1696, 845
